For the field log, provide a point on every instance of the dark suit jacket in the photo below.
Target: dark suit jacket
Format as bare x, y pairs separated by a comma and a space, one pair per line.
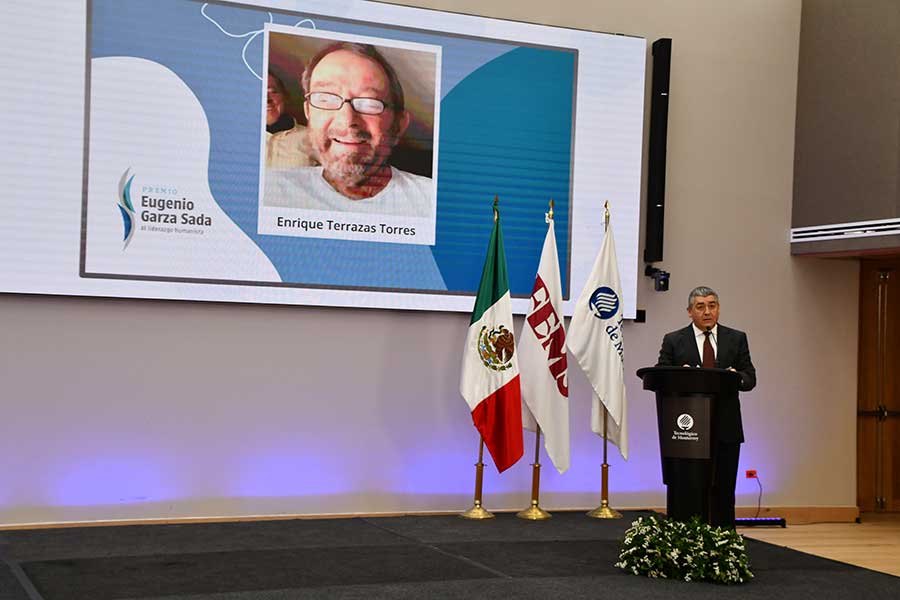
680, 348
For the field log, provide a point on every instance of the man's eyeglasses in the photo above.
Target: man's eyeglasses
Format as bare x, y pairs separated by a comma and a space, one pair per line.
329, 101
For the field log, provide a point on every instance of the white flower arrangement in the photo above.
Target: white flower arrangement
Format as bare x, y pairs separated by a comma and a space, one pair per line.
692, 551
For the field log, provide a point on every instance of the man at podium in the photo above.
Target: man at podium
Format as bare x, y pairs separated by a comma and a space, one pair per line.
706, 343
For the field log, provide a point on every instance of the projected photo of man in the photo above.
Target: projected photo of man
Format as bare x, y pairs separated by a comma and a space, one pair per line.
356, 112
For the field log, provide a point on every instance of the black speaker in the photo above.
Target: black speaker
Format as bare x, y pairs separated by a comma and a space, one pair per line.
656, 159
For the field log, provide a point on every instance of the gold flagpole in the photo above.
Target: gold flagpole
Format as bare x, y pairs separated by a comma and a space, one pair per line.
535, 512
604, 511
477, 511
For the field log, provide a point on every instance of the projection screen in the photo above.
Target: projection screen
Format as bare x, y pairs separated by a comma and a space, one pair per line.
169, 149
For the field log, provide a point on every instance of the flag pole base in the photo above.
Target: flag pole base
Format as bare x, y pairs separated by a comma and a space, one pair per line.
477, 513
604, 512
534, 513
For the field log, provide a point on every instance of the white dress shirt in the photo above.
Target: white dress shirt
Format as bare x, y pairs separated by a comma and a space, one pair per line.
700, 337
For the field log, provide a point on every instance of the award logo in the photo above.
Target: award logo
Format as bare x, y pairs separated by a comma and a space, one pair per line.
125, 206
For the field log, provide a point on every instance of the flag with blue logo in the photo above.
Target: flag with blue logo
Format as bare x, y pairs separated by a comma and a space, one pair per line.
595, 340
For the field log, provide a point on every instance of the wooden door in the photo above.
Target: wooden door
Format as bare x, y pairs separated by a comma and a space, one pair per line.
878, 405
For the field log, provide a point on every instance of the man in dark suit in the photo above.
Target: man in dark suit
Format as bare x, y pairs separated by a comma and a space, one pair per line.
705, 343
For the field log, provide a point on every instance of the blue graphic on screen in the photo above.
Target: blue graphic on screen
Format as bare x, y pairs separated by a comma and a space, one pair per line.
506, 130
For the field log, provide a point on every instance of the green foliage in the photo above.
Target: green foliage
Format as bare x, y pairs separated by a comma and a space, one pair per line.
692, 551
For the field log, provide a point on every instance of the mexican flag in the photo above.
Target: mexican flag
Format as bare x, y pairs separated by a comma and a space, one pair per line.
490, 367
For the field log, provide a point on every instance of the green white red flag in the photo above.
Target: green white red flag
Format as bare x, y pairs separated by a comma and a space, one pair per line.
490, 367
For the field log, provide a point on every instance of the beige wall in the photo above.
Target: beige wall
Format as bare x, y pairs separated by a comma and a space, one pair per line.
849, 88
143, 409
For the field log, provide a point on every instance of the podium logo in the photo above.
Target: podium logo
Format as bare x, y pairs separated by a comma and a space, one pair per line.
604, 303
685, 421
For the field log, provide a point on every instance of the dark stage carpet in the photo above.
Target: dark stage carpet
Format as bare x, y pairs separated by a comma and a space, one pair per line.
569, 556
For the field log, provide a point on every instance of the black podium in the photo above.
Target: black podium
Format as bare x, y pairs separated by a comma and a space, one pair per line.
687, 400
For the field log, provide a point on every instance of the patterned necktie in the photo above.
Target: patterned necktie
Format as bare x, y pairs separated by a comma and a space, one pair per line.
709, 357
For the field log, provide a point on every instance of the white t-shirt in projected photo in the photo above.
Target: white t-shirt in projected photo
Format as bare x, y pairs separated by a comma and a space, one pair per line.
405, 195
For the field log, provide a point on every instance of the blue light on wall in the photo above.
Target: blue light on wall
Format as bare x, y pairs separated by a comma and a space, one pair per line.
107, 480
290, 471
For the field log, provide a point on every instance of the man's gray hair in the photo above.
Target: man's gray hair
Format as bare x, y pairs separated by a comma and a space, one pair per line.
700, 292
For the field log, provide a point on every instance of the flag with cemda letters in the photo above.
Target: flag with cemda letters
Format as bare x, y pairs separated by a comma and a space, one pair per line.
542, 358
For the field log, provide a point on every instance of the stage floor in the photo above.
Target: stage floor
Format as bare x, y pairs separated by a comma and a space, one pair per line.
873, 543
569, 556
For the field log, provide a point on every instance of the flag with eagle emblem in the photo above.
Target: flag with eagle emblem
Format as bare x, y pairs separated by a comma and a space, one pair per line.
490, 367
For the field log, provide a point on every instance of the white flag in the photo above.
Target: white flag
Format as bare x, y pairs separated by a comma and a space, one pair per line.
596, 342
542, 359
